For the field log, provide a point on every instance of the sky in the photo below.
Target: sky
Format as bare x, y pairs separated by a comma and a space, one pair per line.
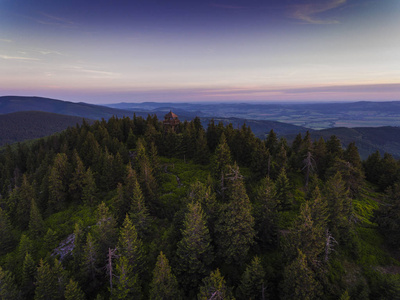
109, 51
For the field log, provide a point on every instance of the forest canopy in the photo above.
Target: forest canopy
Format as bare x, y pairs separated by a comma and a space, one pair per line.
128, 209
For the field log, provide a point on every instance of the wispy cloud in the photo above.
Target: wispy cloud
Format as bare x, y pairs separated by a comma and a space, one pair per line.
18, 58
307, 12
95, 73
55, 21
6, 41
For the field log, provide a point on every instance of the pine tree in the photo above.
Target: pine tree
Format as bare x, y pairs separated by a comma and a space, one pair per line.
214, 287
299, 281
28, 277
194, 251
307, 236
20, 203
8, 288
266, 213
131, 247
90, 260
282, 187
202, 153
271, 143
126, 283
58, 182
7, 240
252, 284
73, 291
340, 206
138, 210
46, 283
105, 232
77, 178
234, 228
89, 188
164, 285
36, 224
222, 158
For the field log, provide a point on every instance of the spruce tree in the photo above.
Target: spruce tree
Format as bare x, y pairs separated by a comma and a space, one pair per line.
222, 158
266, 213
138, 210
58, 182
77, 178
164, 285
252, 284
90, 260
194, 251
46, 283
7, 240
36, 224
131, 247
299, 282
73, 291
214, 287
89, 188
234, 228
105, 232
8, 288
282, 187
28, 277
126, 283
340, 206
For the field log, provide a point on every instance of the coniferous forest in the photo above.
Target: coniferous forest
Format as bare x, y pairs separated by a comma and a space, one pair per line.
125, 209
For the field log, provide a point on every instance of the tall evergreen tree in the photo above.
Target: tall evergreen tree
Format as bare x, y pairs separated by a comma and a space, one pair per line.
138, 210
282, 187
340, 206
299, 282
28, 277
105, 232
194, 250
266, 213
234, 228
252, 284
8, 288
126, 282
131, 247
46, 283
73, 291
164, 285
58, 182
214, 287
36, 224
7, 239
89, 188
222, 158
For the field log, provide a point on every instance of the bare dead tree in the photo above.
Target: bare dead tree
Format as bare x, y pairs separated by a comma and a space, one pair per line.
329, 244
309, 164
110, 256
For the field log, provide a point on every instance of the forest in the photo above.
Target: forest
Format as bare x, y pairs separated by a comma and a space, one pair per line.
128, 209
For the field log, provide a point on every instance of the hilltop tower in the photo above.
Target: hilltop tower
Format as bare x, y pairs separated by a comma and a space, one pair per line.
170, 121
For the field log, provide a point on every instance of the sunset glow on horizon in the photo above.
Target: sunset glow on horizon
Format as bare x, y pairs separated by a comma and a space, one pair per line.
135, 51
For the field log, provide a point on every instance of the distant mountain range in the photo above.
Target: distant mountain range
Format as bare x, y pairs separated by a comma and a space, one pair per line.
312, 115
28, 124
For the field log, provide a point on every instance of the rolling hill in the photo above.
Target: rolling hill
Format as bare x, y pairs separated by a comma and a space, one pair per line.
26, 125
10, 104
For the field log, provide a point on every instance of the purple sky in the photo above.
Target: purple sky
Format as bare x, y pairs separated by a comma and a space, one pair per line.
107, 51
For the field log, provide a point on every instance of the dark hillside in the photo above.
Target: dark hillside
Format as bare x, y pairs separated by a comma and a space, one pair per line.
10, 104
26, 125
368, 139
